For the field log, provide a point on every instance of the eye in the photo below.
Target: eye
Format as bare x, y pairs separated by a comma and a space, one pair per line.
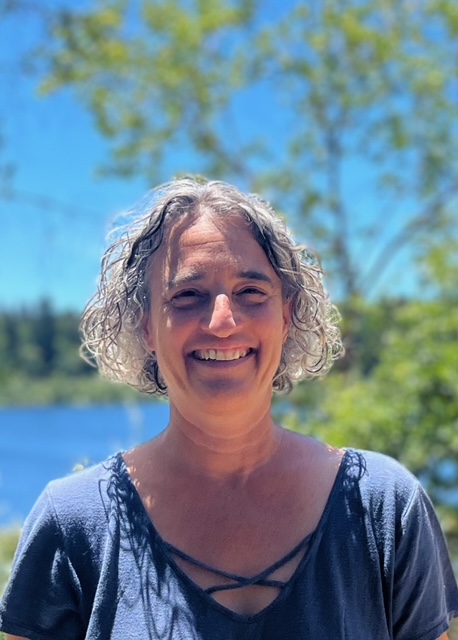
252, 294
186, 298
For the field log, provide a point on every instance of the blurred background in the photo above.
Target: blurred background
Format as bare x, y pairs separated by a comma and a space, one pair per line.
343, 114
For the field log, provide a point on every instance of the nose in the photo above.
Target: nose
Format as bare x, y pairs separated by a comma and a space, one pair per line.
222, 322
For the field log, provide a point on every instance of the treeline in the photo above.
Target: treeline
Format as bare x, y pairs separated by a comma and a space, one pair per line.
40, 361
40, 342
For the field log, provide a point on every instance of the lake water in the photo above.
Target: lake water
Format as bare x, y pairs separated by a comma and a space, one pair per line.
40, 444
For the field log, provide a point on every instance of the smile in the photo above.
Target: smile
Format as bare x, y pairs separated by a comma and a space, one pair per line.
221, 355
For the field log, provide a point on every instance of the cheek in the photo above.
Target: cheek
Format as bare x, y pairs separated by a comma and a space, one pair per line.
166, 332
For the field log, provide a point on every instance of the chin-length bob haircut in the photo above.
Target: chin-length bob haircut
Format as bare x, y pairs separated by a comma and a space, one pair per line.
113, 321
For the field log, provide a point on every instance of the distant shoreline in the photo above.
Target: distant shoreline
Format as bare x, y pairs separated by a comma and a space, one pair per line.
18, 390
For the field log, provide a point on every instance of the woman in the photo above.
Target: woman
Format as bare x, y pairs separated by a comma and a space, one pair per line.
225, 526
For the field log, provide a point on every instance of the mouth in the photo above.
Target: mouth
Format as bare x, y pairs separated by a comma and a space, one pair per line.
219, 355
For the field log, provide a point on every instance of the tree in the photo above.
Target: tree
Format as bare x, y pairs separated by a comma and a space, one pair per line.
360, 98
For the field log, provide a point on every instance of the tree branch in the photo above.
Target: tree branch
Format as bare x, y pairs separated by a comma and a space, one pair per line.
422, 221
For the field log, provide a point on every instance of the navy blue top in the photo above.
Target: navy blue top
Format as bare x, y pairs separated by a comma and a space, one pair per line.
90, 564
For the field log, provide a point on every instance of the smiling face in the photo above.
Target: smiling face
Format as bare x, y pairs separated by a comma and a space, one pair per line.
217, 320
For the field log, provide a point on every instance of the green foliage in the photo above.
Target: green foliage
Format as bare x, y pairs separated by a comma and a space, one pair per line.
151, 73
8, 542
408, 405
21, 389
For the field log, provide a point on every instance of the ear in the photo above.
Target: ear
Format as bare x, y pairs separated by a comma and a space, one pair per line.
287, 315
147, 333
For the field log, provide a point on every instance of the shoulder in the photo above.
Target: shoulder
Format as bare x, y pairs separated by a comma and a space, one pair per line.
386, 494
72, 520
396, 507
76, 506
379, 465
85, 482
411, 546
57, 565
381, 478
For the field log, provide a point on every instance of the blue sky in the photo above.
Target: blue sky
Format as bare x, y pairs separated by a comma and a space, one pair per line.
53, 229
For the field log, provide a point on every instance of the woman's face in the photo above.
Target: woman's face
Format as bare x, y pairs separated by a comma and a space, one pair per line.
218, 320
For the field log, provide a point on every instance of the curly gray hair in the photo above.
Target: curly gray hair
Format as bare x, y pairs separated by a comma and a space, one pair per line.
113, 320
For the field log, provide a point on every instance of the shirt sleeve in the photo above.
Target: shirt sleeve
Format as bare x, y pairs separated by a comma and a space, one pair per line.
42, 598
425, 590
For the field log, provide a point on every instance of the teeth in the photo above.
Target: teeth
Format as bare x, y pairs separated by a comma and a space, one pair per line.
215, 354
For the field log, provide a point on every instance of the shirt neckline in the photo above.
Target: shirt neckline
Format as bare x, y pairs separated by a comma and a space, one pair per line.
162, 545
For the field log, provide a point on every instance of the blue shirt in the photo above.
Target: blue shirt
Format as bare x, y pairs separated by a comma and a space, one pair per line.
90, 564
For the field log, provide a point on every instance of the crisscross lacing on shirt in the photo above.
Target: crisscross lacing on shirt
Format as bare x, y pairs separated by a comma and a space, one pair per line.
261, 579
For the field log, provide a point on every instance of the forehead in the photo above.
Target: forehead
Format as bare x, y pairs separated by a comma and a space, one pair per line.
209, 241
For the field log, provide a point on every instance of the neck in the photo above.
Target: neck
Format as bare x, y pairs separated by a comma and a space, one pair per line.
220, 448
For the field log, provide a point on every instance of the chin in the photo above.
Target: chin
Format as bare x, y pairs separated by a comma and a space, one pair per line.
223, 397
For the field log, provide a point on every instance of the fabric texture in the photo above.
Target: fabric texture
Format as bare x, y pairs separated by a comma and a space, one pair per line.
90, 564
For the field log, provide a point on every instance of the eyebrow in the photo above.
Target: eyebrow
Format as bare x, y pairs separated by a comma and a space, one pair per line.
195, 276
255, 275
